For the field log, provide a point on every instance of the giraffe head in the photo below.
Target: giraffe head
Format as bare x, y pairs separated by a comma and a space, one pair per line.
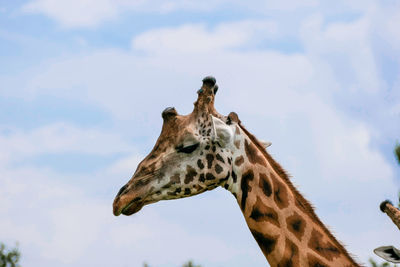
192, 154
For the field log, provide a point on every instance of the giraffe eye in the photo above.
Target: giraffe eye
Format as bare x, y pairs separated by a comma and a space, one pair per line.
187, 149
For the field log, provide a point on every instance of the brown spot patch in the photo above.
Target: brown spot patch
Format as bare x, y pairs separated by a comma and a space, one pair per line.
218, 169
237, 144
201, 178
265, 184
234, 177
296, 225
280, 193
239, 161
237, 131
200, 164
210, 176
252, 153
210, 159
266, 242
190, 174
291, 255
247, 177
314, 261
263, 213
148, 169
218, 157
175, 179
141, 182
324, 249
233, 117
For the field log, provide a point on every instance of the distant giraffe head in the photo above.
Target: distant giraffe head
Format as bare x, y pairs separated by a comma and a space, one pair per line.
192, 154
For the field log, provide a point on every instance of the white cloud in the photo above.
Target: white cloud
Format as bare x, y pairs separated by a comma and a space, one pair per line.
91, 13
346, 47
276, 5
125, 165
198, 39
79, 220
47, 216
75, 13
59, 138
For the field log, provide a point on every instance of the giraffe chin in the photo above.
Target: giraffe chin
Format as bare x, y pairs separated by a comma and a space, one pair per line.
132, 208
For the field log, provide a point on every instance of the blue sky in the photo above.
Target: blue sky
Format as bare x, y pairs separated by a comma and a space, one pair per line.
83, 83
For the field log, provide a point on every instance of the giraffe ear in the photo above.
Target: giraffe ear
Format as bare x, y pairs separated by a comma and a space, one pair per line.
265, 144
222, 133
388, 253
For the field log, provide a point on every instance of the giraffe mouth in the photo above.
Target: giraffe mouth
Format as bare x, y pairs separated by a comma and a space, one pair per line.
134, 206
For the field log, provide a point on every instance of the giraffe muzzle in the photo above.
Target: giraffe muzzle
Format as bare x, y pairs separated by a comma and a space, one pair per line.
125, 206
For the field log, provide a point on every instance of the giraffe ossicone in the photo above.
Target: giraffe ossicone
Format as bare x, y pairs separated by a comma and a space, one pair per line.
203, 150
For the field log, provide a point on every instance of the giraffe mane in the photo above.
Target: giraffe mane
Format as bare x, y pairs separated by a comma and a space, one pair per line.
299, 197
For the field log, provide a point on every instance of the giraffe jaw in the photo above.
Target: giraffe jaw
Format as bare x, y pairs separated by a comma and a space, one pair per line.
130, 208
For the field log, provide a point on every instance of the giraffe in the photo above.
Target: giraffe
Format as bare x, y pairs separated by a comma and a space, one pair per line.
391, 211
203, 150
389, 253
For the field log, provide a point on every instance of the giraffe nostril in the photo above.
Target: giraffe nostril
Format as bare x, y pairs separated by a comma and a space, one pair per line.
122, 190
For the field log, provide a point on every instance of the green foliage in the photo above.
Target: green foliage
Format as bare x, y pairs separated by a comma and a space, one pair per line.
9, 258
190, 264
383, 264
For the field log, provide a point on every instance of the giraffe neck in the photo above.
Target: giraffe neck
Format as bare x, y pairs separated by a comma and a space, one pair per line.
282, 222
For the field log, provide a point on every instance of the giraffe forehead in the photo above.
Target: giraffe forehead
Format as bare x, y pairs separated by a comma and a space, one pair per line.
183, 124
175, 130
187, 134
183, 131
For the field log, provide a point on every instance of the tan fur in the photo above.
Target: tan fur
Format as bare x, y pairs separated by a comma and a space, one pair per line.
315, 233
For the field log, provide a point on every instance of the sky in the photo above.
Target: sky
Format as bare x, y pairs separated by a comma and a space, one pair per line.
83, 84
